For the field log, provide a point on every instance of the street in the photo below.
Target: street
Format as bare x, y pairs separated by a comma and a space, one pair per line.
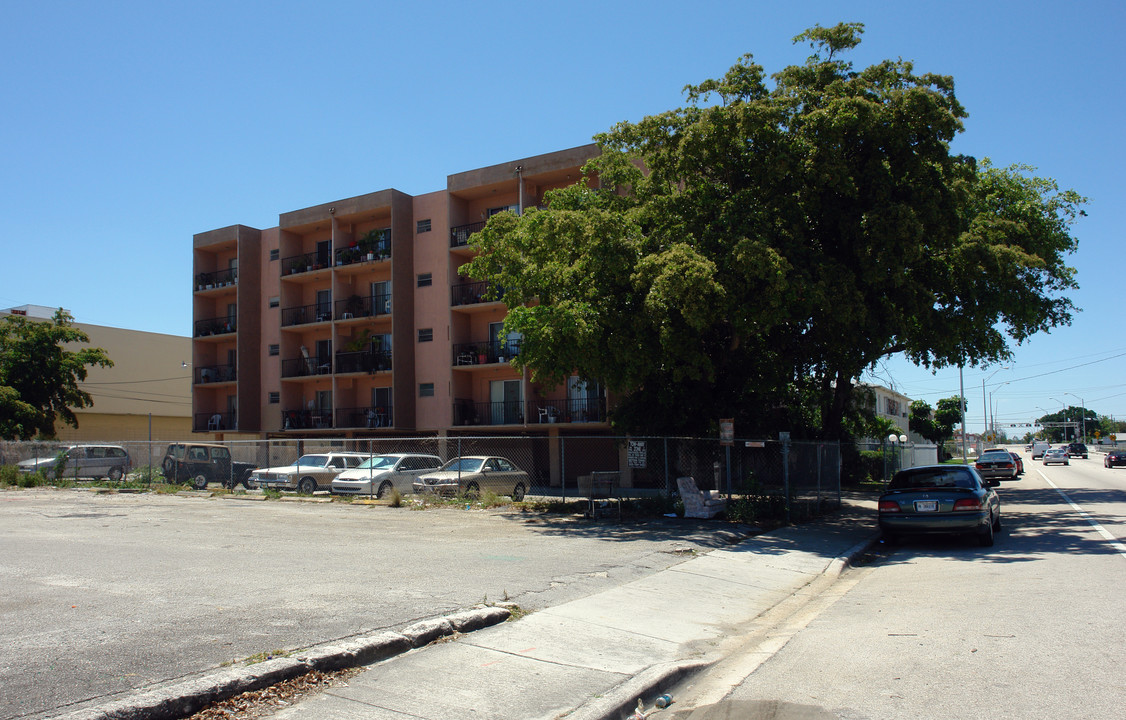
107, 593
940, 628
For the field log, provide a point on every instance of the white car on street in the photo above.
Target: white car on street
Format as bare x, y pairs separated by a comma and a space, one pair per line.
309, 473
380, 473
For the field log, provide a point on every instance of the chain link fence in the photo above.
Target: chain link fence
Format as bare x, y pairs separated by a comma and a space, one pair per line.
556, 468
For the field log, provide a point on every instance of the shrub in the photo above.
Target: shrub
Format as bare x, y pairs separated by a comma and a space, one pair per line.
9, 475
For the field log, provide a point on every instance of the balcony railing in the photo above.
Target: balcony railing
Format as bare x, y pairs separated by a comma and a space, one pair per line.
321, 312
567, 410
359, 307
365, 417
484, 353
506, 412
215, 326
214, 422
306, 419
304, 263
459, 235
219, 278
305, 367
215, 373
380, 250
471, 293
363, 361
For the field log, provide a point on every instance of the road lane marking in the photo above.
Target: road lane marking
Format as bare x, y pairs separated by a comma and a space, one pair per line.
1114, 543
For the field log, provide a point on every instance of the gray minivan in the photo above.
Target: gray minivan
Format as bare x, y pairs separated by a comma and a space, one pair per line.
82, 461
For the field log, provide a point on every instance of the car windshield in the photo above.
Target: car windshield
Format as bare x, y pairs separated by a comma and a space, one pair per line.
315, 460
931, 478
463, 465
377, 462
995, 455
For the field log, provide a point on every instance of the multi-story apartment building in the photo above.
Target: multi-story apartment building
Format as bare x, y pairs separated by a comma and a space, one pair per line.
351, 318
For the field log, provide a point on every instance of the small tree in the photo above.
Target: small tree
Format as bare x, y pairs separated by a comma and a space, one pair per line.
936, 425
39, 377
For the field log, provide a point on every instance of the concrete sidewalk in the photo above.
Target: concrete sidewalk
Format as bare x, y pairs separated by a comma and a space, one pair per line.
594, 657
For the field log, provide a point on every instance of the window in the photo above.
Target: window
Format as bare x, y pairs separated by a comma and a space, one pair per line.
274, 350
426, 390
425, 334
423, 226
275, 398
275, 301
425, 279
275, 254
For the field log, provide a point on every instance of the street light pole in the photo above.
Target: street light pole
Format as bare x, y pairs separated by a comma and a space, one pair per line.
992, 421
1082, 413
984, 404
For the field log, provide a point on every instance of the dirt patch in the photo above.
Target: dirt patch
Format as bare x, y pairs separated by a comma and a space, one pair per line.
265, 702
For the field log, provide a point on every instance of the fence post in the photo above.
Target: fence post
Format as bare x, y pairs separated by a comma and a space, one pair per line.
785, 438
668, 488
562, 467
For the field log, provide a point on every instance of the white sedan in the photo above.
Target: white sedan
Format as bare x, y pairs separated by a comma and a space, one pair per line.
380, 473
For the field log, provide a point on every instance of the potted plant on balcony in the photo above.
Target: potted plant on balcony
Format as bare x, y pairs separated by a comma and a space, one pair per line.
200, 281
482, 353
367, 245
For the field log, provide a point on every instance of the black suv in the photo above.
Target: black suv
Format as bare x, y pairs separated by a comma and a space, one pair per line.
202, 463
1077, 449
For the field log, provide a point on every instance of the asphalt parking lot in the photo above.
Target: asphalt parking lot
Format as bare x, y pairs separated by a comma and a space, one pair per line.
104, 593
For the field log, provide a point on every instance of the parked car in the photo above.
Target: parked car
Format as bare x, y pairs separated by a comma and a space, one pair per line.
940, 499
1114, 458
202, 463
471, 474
309, 473
1077, 449
381, 473
1019, 461
1056, 455
996, 463
81, 461
1039, 448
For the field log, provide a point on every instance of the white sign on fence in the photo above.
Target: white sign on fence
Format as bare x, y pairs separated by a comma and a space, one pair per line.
636, 454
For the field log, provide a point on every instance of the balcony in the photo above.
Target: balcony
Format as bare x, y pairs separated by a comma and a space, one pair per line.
215, 326
362, 307
306, 367
569, 410
363, 362
506, 412
459, 235
218, 279
306, 314
365, 251
304, 263
215, 374
472, 293
301, 419
365, 417
485, 353
214, 422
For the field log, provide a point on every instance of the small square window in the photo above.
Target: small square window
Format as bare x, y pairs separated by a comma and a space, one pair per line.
426, 390
425, 334
274, 350
423, 226
425, 279
275, 398
275, 301
275, 254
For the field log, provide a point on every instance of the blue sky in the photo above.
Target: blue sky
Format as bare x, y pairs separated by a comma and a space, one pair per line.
130, 126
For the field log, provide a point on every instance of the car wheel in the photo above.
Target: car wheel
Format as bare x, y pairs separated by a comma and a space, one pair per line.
985, 535
472, 490
168, 466
518, 493
307, 486
199, 482
891, 538
997, 523
384, 489
116, 473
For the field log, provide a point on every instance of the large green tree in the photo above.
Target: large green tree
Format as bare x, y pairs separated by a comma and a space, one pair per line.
40, 376
936, 425
749, 255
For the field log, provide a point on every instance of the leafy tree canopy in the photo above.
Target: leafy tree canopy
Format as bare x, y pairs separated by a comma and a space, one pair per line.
936, 425
39, 377
749, 255
1057, 428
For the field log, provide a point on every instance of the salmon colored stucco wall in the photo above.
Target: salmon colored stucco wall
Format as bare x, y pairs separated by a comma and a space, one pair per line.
432, 310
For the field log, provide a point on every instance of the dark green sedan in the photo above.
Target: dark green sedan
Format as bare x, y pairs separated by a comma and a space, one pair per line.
947, 499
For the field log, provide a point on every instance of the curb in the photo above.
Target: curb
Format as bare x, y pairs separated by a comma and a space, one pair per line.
190, 696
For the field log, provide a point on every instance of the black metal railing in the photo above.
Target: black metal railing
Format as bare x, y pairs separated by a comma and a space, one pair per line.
215, 373
459, 235
304, 367
380, 250
365, 417
306, 419
219, 278
568, 410
471, 293
360, 307
505, 412
321, 312
306, 262
215, 326
364, 361
214, 422
483, 353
